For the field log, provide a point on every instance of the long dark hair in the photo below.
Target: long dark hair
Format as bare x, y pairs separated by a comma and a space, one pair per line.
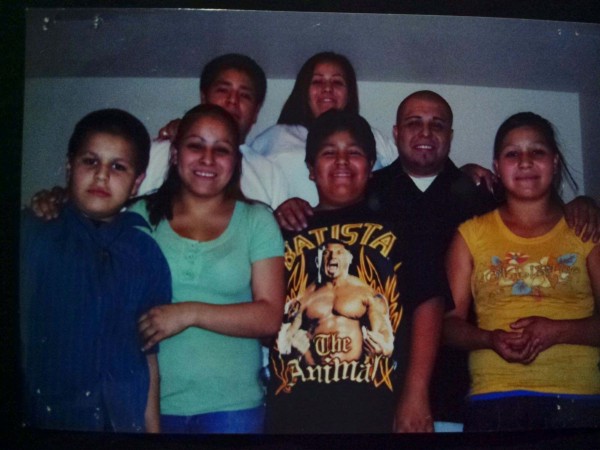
160, 204
546, 129
296, 110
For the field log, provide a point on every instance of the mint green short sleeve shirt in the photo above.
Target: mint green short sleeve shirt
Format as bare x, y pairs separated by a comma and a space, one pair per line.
202, 371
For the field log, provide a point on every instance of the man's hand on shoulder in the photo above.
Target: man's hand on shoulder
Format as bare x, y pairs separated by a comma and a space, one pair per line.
480, 175
583, 215
48, 204
292, 214
169, 131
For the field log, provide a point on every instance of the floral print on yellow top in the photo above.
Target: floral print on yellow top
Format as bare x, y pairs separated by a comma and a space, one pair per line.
526, 275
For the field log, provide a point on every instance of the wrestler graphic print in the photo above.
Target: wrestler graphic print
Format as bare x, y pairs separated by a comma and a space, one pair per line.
342, 308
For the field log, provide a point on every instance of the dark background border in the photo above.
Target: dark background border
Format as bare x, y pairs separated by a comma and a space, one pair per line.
12, 51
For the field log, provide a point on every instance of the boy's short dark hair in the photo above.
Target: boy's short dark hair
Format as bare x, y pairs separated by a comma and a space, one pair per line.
331, 122
116, 122
239, 62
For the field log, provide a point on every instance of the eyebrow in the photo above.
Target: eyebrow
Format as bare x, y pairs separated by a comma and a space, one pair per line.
85, 153
223, 82
197, 136
435, 118
350, 147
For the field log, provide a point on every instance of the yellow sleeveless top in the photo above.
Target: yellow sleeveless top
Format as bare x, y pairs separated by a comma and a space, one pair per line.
516, 277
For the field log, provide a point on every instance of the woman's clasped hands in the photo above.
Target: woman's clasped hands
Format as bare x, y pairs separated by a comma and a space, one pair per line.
529, 336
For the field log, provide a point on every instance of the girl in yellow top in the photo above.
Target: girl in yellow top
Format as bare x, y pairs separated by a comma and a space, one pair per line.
534, 360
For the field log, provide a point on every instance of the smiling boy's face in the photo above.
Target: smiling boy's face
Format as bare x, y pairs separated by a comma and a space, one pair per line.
102, 175
341, 171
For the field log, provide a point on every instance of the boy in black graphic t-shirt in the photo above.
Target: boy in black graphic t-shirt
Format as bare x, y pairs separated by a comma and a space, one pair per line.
362, 316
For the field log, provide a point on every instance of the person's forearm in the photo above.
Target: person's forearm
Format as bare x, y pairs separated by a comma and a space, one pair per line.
256, 319
152, 413
413, 411
425, 339
459, 333
579, 331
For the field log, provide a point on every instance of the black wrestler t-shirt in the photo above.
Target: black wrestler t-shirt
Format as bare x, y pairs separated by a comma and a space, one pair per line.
353, 281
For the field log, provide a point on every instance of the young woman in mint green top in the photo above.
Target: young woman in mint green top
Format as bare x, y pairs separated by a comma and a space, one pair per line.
225, 256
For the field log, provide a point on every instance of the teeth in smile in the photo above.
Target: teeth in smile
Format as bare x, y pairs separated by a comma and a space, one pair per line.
205, 174
424, 147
